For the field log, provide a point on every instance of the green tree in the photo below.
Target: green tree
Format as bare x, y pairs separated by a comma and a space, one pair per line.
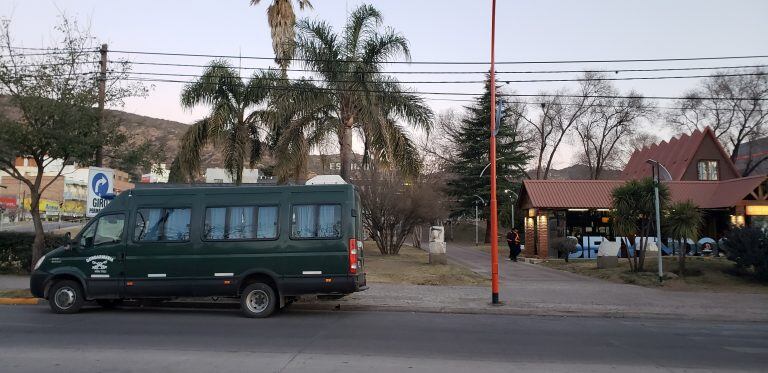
282, 22
683, 221
52, 117
234, 125
471, 141
634, 215
361, 96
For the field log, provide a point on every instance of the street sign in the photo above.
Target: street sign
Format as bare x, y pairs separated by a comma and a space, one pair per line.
100, 185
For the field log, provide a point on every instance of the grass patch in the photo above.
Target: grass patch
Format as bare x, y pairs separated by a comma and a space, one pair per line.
16, 293
702, 274
412, 266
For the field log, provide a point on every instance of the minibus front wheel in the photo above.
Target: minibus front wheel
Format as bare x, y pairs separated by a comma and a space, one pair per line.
258, 300
66, 296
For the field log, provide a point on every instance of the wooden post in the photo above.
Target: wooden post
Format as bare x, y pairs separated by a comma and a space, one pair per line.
102, 97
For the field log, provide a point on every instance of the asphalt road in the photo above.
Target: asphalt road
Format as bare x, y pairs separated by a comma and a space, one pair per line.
48, 226
163, 340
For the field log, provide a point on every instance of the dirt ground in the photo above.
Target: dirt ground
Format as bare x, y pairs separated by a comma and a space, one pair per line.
18, 293
702, 274
412, 266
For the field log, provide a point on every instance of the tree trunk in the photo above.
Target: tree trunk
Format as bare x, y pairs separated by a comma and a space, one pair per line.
345, 148
39, 243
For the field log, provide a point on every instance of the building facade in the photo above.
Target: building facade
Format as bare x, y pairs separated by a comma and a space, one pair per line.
699, 170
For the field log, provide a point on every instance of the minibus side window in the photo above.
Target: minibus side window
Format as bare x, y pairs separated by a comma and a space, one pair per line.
240, 223
316, 221
162, 224
109, 229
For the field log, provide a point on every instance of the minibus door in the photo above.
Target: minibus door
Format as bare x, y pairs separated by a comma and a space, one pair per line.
101, 249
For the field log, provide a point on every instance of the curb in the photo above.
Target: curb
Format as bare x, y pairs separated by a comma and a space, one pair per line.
501, 311
19, 301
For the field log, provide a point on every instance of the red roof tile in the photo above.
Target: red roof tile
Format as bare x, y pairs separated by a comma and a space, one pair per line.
597, 193
675, 155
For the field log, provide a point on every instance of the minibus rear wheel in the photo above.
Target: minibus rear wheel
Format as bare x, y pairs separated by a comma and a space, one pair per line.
258, 300
66, 296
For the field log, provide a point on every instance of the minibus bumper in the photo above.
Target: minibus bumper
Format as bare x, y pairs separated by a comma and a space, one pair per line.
37, 281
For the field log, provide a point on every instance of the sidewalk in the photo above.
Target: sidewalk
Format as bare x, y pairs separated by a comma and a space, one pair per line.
540, 288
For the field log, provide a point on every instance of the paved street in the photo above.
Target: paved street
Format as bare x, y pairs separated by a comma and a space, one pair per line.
535, 286
157, 340
48, 226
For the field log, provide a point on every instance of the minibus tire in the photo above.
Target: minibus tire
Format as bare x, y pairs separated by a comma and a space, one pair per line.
258, 300
66, 296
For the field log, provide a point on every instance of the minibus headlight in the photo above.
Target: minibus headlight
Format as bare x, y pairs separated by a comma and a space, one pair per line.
40, 262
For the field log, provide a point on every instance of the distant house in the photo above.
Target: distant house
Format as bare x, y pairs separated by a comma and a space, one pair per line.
221, 176
699, 168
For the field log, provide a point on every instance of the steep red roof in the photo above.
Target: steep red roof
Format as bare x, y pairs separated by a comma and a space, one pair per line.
564, 194
676, 155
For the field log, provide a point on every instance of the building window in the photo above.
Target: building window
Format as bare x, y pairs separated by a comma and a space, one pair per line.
160, 224
240, 223
708, 170
316, 221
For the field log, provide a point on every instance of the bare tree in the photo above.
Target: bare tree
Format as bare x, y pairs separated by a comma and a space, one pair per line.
393, 207
733, 103
436, 146
555, 117
608, 127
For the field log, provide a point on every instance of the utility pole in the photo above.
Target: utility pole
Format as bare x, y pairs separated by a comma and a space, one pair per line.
494, 212
102, 98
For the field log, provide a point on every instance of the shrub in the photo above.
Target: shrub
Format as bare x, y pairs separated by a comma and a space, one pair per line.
748, 248
565, 246
16, 250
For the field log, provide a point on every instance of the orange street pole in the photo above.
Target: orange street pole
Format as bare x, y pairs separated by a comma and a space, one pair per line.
494, 216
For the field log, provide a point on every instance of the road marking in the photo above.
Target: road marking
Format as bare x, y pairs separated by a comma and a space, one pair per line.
224, 274
156, 275
312, 272
99, 276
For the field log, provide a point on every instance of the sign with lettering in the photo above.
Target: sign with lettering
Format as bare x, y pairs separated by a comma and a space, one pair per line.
100, 185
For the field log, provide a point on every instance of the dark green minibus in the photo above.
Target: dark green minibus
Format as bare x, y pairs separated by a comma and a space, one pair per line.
264, 244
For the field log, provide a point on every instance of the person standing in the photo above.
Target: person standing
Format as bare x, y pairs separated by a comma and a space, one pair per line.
513, 241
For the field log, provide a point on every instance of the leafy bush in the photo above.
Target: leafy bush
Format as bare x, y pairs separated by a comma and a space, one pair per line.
748, 248
16, 250
565, 246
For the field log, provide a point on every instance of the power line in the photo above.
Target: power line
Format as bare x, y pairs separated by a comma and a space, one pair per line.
469, 94
470, 72
178, 54
481, 81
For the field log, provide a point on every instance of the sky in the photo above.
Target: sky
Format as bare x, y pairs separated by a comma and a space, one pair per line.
438, 30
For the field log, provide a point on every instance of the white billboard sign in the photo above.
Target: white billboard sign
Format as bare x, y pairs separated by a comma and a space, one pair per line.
100, 184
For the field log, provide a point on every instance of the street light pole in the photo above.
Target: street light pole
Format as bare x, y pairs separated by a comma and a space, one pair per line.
494, 217
655, 170
477, 219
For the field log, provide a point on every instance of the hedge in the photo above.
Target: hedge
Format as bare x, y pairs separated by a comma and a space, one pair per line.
16, 250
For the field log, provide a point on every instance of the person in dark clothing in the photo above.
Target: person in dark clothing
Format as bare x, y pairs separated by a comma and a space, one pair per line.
513, 240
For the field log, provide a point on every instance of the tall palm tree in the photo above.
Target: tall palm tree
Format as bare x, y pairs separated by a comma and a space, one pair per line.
362, 97
683, 222
282, 22
234, 124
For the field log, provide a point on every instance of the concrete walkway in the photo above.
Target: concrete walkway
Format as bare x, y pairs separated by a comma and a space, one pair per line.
538, 287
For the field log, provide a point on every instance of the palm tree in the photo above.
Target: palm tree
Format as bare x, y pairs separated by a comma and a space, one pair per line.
361, 97
299, 120
633, 209
683, 221
233, 125
282, 22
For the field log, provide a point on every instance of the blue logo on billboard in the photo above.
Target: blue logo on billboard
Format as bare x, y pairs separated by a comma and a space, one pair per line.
100, 184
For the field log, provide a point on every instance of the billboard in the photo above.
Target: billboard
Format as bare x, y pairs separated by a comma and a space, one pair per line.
100, 185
